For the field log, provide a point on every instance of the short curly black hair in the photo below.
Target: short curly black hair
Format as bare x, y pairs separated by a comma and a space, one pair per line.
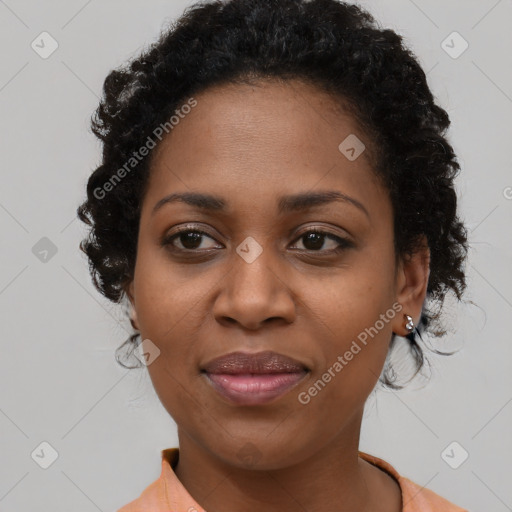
335, 46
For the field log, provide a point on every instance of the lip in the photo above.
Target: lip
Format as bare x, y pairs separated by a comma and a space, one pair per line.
260, 363
254, 379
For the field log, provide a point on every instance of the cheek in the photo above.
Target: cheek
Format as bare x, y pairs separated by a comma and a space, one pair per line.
354, 361
175, 390
359, 315
167, 297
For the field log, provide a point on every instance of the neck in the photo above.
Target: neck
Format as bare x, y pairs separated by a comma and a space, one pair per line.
332, 479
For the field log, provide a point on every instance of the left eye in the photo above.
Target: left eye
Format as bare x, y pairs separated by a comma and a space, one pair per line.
315, 241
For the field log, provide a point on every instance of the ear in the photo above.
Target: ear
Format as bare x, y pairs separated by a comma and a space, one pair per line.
411, 286
129, 290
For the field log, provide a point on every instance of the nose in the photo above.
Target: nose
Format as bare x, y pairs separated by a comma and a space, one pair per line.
255, 293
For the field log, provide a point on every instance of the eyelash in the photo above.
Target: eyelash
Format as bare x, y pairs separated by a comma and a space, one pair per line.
344, 243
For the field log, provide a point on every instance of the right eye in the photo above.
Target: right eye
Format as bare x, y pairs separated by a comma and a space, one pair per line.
190, 240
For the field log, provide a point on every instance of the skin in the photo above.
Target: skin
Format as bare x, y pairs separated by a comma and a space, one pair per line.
251, 144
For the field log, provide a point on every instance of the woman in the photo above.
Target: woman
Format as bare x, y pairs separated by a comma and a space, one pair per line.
276, 203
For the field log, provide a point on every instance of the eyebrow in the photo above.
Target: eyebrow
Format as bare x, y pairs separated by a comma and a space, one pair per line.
286, 204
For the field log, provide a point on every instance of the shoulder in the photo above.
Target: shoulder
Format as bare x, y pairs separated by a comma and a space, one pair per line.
417, 498
152, 498
414, 497
166, 493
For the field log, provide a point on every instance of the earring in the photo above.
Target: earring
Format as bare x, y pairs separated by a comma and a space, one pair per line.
409, 324
132, 319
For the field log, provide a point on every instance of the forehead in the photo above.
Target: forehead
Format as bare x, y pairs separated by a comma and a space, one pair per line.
259, 139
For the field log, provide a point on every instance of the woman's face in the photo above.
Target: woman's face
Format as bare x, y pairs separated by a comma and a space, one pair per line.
256, 281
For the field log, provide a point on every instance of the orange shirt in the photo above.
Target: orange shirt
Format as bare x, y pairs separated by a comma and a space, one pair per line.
167, 494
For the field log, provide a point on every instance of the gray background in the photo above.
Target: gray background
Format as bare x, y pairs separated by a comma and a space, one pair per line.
60, 383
